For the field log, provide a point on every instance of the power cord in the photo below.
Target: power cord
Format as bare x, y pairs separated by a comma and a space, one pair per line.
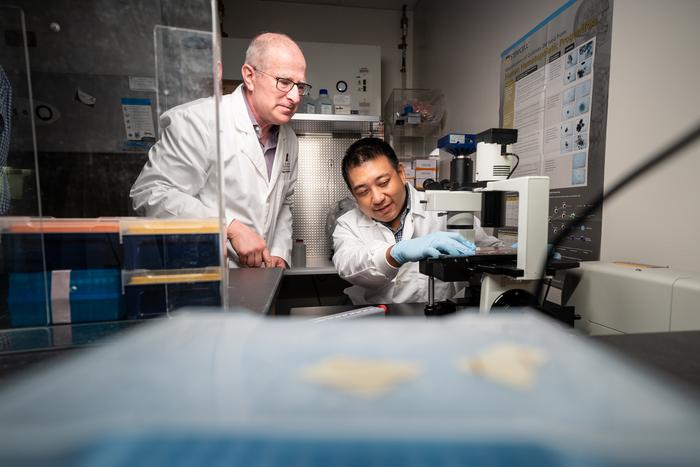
517, 161
546, 292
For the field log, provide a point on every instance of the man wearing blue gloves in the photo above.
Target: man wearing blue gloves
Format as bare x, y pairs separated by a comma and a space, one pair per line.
377, 245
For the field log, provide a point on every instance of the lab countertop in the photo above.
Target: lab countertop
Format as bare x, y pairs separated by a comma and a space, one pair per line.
22, 348
675, 354
253, 288
202, 387
314, 265
393, 309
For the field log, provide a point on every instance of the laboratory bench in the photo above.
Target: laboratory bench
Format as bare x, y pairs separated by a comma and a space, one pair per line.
266, 291
314, 292
24, 348
673, 354
253, 289
207, 388
314, 266
316, 284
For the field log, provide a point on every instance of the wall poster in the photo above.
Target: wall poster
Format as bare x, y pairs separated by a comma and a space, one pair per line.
554, 91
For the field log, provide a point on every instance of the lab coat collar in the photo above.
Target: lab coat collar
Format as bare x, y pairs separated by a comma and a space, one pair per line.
273, 132
250, 144
241, 119
281, 158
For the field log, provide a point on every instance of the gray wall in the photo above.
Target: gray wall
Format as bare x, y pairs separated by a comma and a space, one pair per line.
654, 73
323, 23
458, 45
654, 76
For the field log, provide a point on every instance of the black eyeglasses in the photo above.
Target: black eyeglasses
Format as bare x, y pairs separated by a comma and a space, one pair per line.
286, 84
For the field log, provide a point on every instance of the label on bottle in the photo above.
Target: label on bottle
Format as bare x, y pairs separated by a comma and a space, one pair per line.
327, 109
342, 99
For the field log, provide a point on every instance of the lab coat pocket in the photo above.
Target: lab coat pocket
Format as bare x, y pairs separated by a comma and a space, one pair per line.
285, 183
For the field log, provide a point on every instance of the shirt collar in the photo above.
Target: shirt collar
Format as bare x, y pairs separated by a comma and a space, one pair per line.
274, 129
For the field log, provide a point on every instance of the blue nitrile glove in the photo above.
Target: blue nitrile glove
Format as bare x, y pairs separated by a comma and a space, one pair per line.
432, 246
557, 255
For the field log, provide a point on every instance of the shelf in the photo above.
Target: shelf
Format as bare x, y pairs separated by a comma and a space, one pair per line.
419, 130
314, 266
334, 124
334, 118
428, 105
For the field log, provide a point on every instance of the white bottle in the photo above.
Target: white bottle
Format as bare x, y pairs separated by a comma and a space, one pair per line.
299, 254
308, 105
324, 103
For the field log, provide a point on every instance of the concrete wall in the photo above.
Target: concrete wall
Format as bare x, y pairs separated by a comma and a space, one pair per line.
653, 98
323, 23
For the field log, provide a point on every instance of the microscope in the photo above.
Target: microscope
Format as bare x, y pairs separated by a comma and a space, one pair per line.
509, 276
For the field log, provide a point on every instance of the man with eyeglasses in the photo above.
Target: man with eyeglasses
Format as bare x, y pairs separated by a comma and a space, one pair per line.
258, 147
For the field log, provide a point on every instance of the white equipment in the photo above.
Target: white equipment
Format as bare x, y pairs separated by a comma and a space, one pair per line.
625, 298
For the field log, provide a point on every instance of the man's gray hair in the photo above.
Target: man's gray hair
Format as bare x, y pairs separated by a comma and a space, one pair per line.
258, 50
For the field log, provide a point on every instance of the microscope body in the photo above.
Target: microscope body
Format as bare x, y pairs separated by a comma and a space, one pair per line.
509, 278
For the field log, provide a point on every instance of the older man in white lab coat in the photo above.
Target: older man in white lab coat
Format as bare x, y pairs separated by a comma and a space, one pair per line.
377, 245
259, 153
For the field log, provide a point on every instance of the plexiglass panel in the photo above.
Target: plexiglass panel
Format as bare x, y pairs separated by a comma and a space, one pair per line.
23, 282
18, 190
82, 87
182, 75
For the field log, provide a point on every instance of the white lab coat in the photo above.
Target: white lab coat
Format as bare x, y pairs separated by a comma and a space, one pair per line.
179, 179
360, 245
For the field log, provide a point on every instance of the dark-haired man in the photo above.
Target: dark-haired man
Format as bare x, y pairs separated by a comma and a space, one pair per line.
377, 245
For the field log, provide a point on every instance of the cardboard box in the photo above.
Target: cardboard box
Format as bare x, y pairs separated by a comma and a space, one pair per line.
425, 169
409, 172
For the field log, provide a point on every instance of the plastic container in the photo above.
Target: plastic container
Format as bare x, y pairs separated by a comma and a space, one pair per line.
307, 105
415, 106
67, 243
151, 294
171, 251
299, 254
94, 295
172, 244
27, 299
324, 103
154, 300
